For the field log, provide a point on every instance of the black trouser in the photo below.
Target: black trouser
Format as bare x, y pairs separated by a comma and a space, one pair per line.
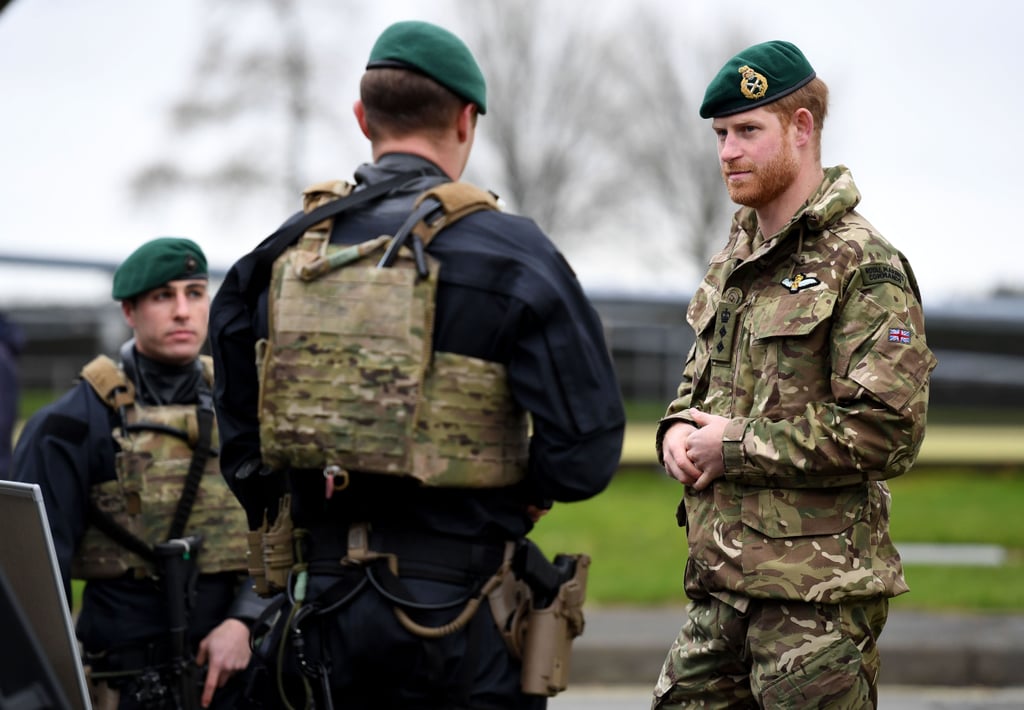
369, 660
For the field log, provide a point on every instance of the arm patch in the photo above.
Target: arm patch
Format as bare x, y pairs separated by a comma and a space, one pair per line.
873, 274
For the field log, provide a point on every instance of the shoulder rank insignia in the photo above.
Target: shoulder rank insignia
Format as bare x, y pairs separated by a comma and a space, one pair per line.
799, 282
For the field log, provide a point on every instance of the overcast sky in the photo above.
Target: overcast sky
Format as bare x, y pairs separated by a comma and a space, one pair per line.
926, 102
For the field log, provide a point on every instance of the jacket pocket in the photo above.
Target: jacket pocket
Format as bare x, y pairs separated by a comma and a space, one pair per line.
788, 352
791, 315
805, 540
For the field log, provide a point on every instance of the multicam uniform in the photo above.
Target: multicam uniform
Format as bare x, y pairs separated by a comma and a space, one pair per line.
812, 343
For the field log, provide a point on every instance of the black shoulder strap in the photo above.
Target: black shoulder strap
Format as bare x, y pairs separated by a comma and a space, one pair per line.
422, 212
200, 455
437, 208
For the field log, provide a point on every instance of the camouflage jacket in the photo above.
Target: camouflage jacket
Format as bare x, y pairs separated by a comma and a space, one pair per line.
812, 343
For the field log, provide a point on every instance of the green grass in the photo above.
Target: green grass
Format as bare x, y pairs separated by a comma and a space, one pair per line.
638, 553
33, 399
959, 505
975, 589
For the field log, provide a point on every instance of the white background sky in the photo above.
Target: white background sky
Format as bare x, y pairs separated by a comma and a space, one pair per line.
926, 106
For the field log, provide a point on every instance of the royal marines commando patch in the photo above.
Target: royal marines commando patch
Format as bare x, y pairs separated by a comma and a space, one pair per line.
882, 273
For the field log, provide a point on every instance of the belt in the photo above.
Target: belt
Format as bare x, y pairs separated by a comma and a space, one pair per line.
419, 554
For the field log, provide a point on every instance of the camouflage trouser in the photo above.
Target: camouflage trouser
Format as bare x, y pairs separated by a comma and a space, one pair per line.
776, 654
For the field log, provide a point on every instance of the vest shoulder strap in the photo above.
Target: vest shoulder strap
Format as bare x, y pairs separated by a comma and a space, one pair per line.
321, 193
457, 200
109, 382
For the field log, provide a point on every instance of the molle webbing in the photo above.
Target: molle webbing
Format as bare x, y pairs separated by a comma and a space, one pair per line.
348, 377
151, 467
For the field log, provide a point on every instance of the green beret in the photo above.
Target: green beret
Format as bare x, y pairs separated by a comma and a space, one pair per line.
155, 263
756, 76
433, 51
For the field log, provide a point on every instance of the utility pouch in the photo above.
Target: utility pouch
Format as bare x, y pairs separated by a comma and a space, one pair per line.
550, 631
278, 551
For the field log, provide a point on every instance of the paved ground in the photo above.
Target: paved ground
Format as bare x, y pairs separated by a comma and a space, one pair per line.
891, 697
624, 646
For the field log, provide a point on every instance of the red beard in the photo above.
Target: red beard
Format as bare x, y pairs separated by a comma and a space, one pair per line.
764, 183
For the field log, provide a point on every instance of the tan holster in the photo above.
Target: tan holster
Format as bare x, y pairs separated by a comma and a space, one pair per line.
541, 638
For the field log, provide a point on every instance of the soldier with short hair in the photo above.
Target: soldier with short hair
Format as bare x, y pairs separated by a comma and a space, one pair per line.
806, 389
127, 464
404, 387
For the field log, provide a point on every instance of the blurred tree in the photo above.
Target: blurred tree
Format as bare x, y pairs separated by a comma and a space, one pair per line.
673, 149
593, 122
242, 126
551, 146
592, 126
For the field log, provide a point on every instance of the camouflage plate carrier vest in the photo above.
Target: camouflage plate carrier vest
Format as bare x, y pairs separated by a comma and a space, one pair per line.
348, 376
151, 471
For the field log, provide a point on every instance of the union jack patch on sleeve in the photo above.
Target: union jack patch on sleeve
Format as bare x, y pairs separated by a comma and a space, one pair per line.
899, 335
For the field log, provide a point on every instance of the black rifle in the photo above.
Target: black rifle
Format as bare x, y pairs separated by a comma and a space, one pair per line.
177, 560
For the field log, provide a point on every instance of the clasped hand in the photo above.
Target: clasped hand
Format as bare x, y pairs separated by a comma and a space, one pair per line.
693, 454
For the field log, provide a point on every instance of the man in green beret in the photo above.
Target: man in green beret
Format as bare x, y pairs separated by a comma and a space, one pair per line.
386, 606
806, 389
127, 460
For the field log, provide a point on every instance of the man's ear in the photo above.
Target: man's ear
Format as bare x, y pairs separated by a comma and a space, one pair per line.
360, 111
803, 121
466, 122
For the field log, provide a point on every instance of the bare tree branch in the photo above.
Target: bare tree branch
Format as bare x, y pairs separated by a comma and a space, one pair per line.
238, 97
673, 148
544, 121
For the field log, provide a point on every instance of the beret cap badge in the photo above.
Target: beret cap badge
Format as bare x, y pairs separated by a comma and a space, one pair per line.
753, 85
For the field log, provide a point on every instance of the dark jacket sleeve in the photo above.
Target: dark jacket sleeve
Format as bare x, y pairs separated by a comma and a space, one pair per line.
233, 336
233, 347
65, 448
562, 374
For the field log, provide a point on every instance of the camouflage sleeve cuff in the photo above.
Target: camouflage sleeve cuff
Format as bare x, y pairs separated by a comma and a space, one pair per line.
732, 446
664, 424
